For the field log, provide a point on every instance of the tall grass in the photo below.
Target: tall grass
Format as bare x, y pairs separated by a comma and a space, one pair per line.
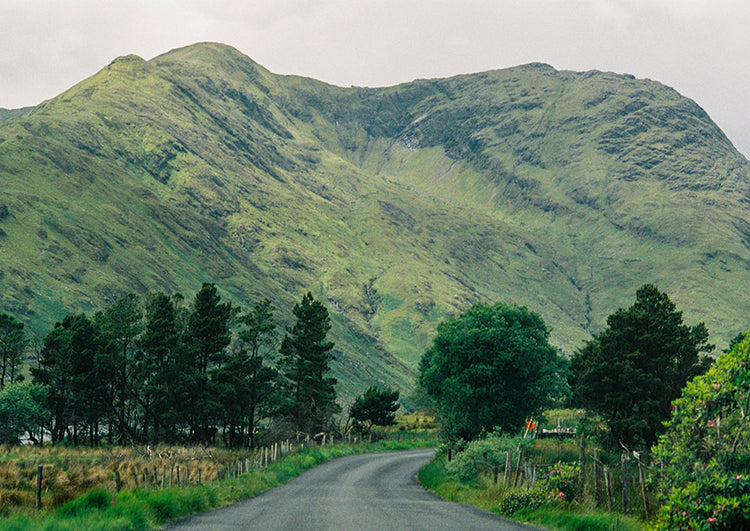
484, 493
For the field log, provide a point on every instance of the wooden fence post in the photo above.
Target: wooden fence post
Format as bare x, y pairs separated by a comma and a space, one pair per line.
39, 472
582, 460
608, 486
178, 476
508, 466
597, 482
642, 478
494, 474
118, 484
518, 465
624, 462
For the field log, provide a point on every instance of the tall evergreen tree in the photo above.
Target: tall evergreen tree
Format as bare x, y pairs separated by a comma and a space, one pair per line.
209, 333
375, 407
120, 323
633, 370
160, 369
305, 357
209, 327
76, 386
253, 374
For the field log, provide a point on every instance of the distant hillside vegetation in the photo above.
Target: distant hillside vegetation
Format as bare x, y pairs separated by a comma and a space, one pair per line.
398, 207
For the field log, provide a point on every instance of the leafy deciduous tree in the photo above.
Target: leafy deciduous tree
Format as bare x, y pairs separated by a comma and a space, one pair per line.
491, 368
23, 411
12, 344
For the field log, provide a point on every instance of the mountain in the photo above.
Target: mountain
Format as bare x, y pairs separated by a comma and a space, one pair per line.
397, 207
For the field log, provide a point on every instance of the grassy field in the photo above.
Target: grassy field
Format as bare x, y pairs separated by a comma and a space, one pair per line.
79, 490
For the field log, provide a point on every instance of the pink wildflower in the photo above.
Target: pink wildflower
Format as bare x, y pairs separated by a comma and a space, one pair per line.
716, 386
561, 495
738, 477
711, 519
710, 423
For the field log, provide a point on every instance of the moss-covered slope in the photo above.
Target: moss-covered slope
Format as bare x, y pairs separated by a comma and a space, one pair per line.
397, 207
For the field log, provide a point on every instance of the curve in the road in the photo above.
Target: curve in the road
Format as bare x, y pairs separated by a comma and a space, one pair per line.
369, 491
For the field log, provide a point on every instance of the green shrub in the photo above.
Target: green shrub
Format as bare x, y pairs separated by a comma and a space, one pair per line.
702, 470
563, 482
522, 500
491, 449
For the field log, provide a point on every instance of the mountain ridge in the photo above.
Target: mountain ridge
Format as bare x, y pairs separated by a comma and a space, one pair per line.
398, 206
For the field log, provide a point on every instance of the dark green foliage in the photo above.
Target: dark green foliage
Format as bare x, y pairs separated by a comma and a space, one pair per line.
13, 341
523, 500
153, 370
207, 336
702, 460
375, 407
77, 385
245, 384
164, 377
209, 327
120, 324
305, 358
631, 372
23, 412
736, 340
491, 368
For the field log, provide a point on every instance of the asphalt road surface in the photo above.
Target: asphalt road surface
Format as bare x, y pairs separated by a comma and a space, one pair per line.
370, 491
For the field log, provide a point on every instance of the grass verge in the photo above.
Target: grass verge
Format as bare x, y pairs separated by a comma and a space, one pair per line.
143, 509
485, 494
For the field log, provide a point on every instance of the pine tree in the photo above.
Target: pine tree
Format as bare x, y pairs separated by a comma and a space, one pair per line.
305, 356
121, 323
631, 372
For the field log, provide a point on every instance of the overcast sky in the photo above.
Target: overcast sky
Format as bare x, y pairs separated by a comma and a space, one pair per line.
699, 47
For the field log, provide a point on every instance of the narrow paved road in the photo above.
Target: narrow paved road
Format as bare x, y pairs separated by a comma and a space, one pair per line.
371, 491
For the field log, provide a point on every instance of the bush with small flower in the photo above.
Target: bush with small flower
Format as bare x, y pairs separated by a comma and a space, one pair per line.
523, 500
702, 461
561, 486
563, 482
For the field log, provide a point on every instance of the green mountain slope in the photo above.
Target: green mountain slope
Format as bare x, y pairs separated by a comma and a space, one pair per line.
397, 207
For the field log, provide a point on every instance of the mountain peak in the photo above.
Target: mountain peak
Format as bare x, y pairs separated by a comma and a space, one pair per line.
398, 206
